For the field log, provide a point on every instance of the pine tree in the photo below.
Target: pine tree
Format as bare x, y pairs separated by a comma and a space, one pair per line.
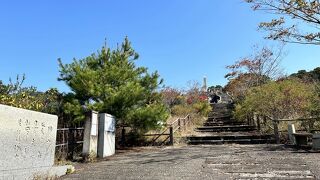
110, 82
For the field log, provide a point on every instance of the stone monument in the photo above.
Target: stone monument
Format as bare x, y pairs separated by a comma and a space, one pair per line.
27, 140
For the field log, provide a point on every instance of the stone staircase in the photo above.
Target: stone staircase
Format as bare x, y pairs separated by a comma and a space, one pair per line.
221, 128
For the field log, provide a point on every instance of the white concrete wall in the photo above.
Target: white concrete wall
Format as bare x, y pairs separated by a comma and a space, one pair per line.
27, 140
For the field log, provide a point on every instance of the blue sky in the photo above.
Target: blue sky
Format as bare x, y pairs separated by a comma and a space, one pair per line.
183, 40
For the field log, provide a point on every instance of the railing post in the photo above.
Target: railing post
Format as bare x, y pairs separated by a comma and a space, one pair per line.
171, 135
276, 131
179, 124
71, 142
123, 136
187, 123
184, 124
256, 120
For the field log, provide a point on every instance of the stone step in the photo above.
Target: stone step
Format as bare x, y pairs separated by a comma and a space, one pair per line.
233, 128
221, 105
221, 128
230, 137
217, 115
220, 119
225, 139
222, 123
226, 117
236, 141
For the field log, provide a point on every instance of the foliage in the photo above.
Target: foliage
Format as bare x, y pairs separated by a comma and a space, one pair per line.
195, 94
110, 82
305, 12
214, 88
202, 107
253, 71
311, 77
278, 99
262, 65
239, 86
315, 108
171, 96
149, 117
308, 77
192, 101
14, 94
182, 110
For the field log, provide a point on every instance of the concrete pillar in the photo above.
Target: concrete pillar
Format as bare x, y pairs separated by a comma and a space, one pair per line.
90, 139
106, 139
291, 131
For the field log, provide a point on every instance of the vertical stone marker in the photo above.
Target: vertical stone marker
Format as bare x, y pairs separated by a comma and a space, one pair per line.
90, 140
27, 140
106, 139
291, 131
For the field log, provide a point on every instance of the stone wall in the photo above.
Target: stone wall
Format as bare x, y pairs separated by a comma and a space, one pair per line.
27, 140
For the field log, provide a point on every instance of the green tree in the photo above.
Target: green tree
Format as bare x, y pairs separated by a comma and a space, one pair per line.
303, 12
110, 82
308, 76
312, 78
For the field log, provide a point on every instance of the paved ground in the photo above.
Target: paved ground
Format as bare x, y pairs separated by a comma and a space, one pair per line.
207, 162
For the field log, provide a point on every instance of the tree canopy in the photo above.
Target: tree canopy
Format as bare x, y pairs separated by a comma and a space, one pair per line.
254, 70
110, 82
14, 94
308, 76
305, 12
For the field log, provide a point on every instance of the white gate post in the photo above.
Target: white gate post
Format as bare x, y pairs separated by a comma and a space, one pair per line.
90, 137
106, 138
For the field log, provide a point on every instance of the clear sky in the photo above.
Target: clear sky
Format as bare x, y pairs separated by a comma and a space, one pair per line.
183, 39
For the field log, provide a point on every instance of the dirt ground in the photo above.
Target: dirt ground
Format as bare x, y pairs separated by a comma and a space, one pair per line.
205, 162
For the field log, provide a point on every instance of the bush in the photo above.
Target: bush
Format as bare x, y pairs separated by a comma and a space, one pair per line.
285, 99
282, 99
203, 108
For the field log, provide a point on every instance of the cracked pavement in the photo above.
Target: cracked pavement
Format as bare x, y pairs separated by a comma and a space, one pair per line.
206, 162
